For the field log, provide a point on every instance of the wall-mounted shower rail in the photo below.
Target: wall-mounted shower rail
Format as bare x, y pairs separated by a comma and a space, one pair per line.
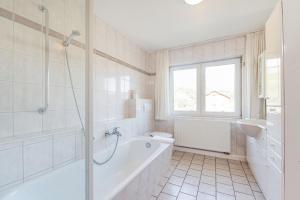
46, 60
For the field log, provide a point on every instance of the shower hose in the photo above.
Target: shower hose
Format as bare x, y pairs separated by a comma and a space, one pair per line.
78, 111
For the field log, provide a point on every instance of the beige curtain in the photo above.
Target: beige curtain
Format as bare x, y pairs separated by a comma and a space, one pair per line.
162, 85
255, 46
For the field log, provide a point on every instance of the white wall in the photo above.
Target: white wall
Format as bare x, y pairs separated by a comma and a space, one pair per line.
52, 139
113, 82
204, 52
291, 21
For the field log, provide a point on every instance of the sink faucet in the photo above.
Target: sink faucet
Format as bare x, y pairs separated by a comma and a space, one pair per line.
115, 131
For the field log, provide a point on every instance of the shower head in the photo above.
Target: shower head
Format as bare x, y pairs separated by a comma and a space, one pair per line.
71, 36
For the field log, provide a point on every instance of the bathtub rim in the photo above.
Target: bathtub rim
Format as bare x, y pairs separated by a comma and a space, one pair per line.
138, 170
6, 191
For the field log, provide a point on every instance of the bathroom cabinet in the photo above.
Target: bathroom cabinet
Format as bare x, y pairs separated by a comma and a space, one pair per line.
265, 152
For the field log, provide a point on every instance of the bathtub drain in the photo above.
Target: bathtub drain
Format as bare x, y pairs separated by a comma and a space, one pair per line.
148, 145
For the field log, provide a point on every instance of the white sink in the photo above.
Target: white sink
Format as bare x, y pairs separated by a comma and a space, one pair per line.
251, 127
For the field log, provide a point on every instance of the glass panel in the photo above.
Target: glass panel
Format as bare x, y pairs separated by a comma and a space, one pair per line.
185, 90
273, 91
220, 88
41, 109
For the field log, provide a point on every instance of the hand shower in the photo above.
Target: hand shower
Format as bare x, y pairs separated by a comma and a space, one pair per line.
66, 44
74, 33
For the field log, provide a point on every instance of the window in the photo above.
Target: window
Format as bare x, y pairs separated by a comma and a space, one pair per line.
185, 89
207, 89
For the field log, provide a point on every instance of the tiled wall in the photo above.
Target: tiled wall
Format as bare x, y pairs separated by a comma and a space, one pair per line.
114, 82
33, 143
222, 49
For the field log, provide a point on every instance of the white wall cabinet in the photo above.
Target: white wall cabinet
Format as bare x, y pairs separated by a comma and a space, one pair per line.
265, 152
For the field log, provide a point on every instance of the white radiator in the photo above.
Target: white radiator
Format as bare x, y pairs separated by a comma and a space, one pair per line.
203, 133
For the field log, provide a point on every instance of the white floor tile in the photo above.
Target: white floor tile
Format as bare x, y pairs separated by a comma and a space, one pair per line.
259, 196
208, 180
224, 180
197, 161
202, 196
241, 196
239, 179
225, 189
164, 196
217, 178
192, 180
208, 172
163, 181
189, 189
179, 172
207, 189
242, 188
196, 167
171, 189
157, 190
195, 173
237, 172
255, 187
176, 180
183, 167
183, 196
223, 172
221, 196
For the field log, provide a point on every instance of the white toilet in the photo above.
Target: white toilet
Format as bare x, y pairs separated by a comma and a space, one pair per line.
163, 137
161, 134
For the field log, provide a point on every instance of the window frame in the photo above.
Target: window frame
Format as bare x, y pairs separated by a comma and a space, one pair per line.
192, 66
200, 107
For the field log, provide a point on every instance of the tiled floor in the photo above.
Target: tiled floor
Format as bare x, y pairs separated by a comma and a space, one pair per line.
199, 177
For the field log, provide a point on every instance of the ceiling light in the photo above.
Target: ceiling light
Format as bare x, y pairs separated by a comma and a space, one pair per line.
193, 2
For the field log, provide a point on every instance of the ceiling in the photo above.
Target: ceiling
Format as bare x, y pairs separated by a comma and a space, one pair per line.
158, 24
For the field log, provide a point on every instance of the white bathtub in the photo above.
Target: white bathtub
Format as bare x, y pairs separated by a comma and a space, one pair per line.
130, 175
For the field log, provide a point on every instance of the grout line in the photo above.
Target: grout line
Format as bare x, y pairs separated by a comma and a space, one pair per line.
231, 179
215, 170
248, 182
39, 27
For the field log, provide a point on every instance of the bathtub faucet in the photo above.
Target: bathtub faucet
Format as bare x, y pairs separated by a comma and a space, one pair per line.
115, 131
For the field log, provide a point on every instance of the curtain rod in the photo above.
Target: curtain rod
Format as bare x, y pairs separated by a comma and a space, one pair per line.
216, 60
212, 40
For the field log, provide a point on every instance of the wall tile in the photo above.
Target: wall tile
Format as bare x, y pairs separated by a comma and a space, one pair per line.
80, 144
29, 9
22, 91
64, 149
219, 50
11, 169
6, 94
56, 98
27, 122
75, 17
69, 98
57, 73
6, 125
28, 41
72, 119
28, 69
27, 97
101, 41
37, 157
76, 74
7, 4
6, 34
56, 51
53, 120
56, 14
230, 47
6, 66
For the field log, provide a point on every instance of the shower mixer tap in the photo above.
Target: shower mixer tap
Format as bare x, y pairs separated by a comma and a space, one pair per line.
115, 131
